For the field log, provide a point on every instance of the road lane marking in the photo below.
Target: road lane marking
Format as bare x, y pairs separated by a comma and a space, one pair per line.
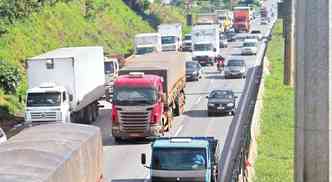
179, 130
198, 100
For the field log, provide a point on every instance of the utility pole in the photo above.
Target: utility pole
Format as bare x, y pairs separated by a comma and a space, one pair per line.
289, 59
313, 149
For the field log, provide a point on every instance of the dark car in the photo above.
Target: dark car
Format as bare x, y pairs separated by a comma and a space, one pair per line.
221, 102
193, 70
235, 68
230, 36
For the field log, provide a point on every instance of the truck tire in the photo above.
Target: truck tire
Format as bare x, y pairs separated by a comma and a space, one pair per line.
88, 115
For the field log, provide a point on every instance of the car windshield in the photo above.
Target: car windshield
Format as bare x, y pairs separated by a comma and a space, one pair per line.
221, 94
44, 99
168, 40
187, 37
235, 63
108, 68
179, 159
203, 47
249, 44
144, 50
191, 65
134, 95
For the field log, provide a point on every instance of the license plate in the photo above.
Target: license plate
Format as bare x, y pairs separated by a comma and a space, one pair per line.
134, 135
220, 107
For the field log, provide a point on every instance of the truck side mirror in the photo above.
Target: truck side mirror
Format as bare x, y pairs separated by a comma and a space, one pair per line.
71, 97
163, 97
214, 50
143, 159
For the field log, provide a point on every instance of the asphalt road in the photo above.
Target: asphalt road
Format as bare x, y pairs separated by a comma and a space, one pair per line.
122, 161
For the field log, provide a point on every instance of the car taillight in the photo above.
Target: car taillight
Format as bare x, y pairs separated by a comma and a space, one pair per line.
115, 118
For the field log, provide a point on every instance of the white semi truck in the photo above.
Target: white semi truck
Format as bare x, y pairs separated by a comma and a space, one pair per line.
147, 43
65, 85
171, 36
206, 43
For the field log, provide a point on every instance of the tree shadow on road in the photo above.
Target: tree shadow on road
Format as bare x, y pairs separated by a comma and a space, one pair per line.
196, 113
110, 141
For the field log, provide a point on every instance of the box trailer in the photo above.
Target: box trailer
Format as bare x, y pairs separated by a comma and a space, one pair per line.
65, 85
53, 153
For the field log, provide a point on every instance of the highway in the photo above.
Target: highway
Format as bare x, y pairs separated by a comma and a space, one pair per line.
122, 161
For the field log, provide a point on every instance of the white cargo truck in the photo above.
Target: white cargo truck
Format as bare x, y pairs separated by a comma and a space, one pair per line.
147, 43
206, 43
171, 36
65, 85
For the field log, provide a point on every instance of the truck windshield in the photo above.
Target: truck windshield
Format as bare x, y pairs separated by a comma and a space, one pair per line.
187, 37
43, 99
109, 68
144, 50
179, 159
249, 44
203, 47
134, 96
168, 40
240, 19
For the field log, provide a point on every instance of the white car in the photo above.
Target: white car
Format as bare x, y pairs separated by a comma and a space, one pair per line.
249, 47
3, 137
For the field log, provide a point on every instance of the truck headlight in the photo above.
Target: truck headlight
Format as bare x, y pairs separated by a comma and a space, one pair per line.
230, 104
210, 104
195, 73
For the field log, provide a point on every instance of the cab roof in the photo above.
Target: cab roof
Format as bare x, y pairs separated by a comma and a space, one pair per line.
145, 81
180, 143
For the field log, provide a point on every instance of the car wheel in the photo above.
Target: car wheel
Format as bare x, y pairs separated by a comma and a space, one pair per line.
209, 113
233, 113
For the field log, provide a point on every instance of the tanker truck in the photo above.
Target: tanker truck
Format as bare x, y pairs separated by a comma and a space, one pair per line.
147, 94
53, 153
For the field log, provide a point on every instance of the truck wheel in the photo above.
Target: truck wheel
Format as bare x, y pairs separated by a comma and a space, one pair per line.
118, 140
88, 115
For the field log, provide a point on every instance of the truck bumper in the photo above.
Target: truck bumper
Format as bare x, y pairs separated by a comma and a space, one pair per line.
153, 131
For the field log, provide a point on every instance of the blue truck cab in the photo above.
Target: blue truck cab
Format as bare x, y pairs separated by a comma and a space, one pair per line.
183, 159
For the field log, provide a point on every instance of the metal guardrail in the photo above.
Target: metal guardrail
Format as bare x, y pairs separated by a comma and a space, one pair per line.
236, 148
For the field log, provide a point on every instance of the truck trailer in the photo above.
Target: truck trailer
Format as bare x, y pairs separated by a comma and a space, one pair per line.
206, 43
53, 153
186, 159
147, 43
147, 94
171, 36
65, 85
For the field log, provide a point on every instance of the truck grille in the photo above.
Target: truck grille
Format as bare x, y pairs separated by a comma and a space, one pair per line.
43, 115
134, 122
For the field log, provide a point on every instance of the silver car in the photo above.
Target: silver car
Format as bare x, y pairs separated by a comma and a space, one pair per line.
235, 68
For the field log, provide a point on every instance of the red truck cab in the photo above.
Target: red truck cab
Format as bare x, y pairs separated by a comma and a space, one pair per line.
241, 20
138, 106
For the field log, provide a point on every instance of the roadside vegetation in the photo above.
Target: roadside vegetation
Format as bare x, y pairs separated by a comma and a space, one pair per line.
276, 142
28, 28
108, 23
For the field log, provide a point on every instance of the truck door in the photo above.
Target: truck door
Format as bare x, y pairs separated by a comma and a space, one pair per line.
65, 107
